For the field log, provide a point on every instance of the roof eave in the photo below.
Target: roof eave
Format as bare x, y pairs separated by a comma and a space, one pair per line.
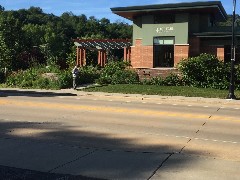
125, 11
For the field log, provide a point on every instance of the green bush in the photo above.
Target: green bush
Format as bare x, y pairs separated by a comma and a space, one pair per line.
65, 79
170, 80
33, 78
88, 74
205, 71
158, 80
36, 77
117, 73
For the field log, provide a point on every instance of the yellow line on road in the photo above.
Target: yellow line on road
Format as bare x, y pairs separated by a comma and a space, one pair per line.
8, 102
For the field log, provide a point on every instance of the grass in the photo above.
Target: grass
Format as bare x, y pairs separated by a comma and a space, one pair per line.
162, 90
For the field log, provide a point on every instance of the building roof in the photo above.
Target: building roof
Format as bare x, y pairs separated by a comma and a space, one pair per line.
213, 7
102, 43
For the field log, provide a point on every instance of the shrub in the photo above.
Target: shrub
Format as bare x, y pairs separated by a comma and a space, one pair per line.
158, 80
2, 76
88, 74
50, 77
65, 79
117, 73
33, 78
205, 71
172, 80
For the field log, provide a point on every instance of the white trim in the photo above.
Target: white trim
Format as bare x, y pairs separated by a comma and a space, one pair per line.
181, 44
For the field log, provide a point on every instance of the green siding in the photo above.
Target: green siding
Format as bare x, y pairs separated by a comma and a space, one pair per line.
137, 29
148, 30
178, 30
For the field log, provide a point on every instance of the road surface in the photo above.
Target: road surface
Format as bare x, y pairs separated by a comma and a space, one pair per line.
76, 136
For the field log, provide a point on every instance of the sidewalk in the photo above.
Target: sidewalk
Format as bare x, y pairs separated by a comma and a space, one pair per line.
119, 96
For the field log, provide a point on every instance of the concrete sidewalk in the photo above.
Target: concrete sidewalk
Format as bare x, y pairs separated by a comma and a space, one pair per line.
119, 96
38, 160
61, 159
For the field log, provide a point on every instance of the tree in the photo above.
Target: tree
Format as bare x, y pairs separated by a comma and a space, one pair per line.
2, 8
229, 21
11, 39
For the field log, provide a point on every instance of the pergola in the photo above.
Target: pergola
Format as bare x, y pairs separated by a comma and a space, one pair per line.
102, 46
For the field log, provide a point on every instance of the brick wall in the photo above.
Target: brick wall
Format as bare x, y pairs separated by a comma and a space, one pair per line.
180, 52
156, 72
214, 50
194, 46
141, 56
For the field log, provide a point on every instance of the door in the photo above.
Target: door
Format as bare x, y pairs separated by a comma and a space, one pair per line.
163, 52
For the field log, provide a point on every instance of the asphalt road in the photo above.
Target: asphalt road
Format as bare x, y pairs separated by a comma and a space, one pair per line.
76, 136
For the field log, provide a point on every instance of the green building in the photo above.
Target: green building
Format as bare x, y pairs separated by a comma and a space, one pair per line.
163, 34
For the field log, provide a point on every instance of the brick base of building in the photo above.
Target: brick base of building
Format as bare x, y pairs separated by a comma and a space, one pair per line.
141, 56
148, 73
180, 52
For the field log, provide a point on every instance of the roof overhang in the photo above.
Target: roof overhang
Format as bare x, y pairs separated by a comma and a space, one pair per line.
215, 35
105, 44
212, 7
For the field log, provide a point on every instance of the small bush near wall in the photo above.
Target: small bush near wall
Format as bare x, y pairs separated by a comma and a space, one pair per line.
205, 71
88, 74
170, 80
117, 73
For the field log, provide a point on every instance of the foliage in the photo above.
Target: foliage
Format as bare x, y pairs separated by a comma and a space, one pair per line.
30, 36
170, 80
10, 40
205, 71
229, 21
37, 77
88, 74
117, 72
50, 77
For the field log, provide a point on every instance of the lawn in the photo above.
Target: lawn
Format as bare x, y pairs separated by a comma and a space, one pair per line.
162, 90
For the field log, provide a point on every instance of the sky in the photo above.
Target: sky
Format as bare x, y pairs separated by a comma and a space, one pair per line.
98, 8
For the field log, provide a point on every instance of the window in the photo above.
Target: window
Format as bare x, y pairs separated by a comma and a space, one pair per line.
163, 40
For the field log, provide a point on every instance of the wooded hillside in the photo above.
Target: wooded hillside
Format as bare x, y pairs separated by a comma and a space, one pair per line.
29, 36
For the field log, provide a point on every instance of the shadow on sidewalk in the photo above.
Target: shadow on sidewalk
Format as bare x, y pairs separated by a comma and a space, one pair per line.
30, 93
67, 136
11, 173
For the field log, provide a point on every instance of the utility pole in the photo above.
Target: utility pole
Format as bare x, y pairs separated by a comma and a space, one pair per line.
232, 79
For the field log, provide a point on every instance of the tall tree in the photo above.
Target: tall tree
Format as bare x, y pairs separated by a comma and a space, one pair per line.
11, 38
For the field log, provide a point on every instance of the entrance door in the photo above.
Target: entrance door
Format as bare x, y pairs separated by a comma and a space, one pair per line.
163, 52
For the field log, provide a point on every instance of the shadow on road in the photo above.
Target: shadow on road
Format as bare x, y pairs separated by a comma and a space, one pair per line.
6, 93
29, 137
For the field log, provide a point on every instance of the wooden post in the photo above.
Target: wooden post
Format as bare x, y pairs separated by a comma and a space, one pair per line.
84, 57
99, 57
125, 54
77, 60
104, 57
80, 57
